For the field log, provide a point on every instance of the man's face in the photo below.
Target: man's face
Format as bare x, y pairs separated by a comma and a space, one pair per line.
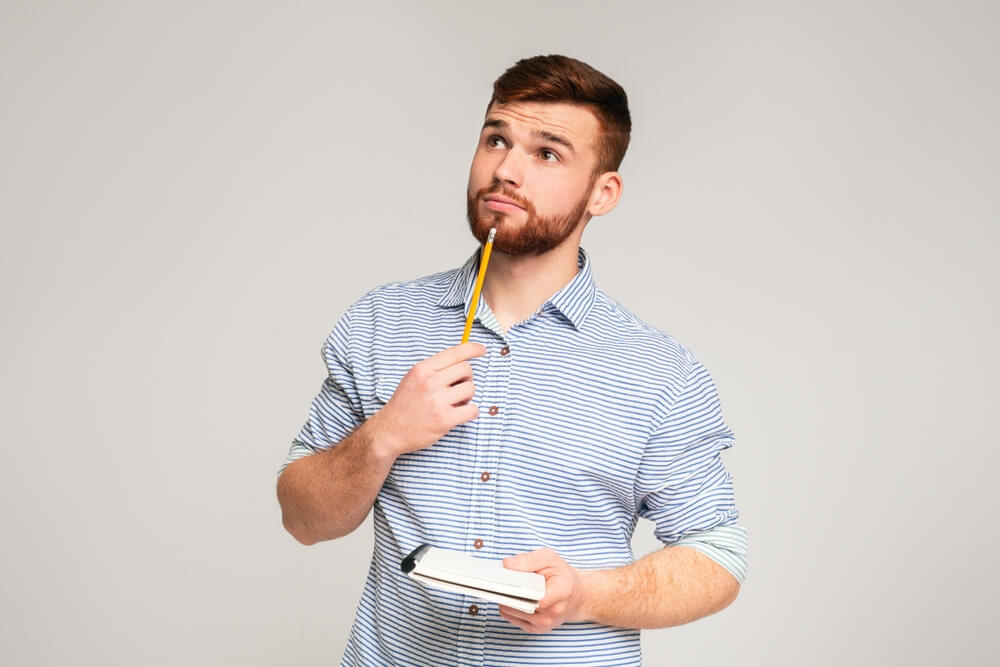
533, 175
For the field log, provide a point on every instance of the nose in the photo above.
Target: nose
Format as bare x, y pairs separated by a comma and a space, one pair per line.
510, 170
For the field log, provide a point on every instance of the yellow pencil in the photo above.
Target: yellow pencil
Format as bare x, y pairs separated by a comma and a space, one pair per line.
487, 249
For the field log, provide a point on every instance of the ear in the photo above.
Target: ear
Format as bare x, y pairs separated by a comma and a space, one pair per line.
605, 194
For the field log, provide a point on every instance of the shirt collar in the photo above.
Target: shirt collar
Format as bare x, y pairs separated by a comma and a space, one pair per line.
574, 300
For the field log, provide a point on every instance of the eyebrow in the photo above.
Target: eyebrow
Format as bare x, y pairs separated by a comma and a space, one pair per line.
544, 134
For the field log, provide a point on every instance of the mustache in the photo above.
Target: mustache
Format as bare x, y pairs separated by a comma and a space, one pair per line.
499, 189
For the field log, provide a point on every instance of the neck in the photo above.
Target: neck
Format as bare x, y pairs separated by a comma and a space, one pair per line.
515, 287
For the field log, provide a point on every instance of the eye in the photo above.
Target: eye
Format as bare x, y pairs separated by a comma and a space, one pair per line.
548, 155
496, 141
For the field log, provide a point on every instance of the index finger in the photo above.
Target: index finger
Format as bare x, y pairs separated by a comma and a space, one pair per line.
453, 355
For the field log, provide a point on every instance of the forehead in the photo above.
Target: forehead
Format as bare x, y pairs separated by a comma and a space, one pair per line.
573, 121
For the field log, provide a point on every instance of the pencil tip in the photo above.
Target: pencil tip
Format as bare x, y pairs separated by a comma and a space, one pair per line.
493, 233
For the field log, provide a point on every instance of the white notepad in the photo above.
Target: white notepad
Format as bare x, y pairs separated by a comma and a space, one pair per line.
485, 579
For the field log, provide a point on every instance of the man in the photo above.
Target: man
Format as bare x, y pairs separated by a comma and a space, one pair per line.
539, 442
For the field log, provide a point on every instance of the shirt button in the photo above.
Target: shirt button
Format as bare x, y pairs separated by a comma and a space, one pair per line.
473, 609
485, 477
478, 544
504, 351
493, 410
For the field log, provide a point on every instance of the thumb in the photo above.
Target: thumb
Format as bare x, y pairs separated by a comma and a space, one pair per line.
529, 562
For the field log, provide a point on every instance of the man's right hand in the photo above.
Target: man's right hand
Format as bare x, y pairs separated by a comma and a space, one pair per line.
432, 398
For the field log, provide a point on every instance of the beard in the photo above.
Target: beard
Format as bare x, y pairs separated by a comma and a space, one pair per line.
536, 235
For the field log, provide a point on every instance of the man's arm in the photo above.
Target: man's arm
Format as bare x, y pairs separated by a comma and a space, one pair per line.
672, 586
328, 494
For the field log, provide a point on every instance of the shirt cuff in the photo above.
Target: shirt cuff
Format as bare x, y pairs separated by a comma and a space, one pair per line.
726, 545
299, 450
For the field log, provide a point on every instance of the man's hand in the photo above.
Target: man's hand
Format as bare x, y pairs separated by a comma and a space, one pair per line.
431, 399
564, 592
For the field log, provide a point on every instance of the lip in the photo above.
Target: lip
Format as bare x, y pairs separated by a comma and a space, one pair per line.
502, 204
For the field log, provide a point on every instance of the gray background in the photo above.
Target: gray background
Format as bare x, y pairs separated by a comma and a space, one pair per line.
192, 193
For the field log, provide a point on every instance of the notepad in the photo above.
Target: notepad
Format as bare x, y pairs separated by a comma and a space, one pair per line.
481, 578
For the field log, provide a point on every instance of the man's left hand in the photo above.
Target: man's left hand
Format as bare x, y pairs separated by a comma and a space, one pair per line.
564, 592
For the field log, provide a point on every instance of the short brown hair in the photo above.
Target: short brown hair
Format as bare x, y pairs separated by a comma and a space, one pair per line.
562, 79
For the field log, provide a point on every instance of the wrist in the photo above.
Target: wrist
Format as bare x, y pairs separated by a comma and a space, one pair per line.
383, 443
591, 588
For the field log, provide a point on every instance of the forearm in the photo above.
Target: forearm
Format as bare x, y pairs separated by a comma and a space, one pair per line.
328, 494
672, 586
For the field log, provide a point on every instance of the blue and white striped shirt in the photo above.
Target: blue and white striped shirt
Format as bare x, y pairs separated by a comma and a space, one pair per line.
589, 419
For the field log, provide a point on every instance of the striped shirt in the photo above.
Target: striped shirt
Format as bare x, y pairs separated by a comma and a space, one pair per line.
589, 418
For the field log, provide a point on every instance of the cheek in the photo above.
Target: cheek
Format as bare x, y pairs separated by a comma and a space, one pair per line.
479, 173
558, 200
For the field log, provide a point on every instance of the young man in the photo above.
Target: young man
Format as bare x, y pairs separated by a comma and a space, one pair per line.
539, 442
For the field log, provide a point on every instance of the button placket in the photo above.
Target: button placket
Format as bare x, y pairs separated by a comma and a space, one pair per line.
491, 395
480, 503
505, 357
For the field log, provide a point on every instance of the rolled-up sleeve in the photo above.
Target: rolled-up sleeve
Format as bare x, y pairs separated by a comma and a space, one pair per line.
683, 486
336, 410
727, 545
